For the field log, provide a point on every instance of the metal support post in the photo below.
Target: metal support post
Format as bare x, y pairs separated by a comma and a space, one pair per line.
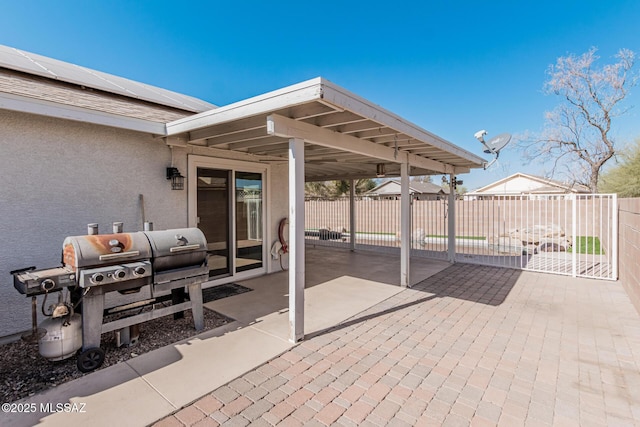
405, 225
296, 240
352, 215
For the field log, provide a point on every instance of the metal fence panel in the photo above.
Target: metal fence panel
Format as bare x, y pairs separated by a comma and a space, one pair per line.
554, 233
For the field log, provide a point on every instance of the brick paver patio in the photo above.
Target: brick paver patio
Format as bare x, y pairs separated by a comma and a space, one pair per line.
472, 345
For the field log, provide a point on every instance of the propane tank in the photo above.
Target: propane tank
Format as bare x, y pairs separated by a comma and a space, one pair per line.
63, 337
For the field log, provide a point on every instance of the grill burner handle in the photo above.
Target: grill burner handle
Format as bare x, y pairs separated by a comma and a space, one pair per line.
109, 257
185, 248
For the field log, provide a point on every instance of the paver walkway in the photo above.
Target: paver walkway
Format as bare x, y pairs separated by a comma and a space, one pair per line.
471, 345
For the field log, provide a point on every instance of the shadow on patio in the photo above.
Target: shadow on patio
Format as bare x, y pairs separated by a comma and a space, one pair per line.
473, 283
339, 285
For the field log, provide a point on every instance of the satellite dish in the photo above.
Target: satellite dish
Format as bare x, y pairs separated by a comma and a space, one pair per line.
497, 143
494, 145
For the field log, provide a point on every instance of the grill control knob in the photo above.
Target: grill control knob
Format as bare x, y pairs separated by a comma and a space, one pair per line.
119, 274
96, 278
47, 285
139, 271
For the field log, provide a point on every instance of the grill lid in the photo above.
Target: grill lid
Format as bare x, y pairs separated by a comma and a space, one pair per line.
178, 248
104, 249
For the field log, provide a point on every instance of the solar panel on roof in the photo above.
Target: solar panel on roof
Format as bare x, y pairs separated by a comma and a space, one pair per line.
14, 60
31, 63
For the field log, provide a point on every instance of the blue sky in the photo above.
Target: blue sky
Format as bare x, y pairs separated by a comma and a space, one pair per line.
452, 67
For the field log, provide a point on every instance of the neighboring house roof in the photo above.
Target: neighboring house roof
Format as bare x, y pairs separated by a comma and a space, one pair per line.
393, 188
33, 64
521, 183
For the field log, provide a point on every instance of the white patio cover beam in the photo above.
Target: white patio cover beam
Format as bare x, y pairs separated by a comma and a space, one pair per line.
296, 240
278, 125
405, 226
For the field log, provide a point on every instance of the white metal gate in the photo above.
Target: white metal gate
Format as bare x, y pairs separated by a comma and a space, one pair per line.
570, 234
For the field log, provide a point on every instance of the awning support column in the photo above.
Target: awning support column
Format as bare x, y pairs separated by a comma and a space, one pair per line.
451, 226
352, 215
296, 240
405, 225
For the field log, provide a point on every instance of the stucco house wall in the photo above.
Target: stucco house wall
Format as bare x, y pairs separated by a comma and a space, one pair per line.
60, 175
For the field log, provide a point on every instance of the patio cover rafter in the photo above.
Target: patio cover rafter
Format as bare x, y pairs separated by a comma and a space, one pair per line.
338, 126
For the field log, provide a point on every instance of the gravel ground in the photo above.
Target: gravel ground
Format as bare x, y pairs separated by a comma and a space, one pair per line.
23, 372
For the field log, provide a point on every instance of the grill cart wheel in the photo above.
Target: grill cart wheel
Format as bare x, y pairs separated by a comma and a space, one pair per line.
90, 359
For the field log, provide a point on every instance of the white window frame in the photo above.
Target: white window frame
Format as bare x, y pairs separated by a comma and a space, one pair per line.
193, 163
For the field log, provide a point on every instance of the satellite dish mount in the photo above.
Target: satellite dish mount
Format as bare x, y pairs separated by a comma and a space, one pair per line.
493, 146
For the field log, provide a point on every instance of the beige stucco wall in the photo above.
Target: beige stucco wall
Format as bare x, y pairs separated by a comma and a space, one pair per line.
279, 201
60, 175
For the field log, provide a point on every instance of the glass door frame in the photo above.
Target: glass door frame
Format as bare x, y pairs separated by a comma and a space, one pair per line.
193, 163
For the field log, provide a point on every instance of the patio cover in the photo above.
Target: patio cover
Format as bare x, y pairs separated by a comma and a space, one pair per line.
345, 135
324, 133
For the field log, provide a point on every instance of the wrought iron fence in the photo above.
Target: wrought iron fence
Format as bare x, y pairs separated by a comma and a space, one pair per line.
555, 233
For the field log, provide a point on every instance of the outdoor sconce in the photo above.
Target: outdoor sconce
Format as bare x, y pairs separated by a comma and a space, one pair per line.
177, 180
380, 172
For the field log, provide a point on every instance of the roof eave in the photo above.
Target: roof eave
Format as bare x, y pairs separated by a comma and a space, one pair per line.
68, 112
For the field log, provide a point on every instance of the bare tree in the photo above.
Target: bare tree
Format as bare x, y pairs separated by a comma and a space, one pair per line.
422, 178
337, 188
577, 136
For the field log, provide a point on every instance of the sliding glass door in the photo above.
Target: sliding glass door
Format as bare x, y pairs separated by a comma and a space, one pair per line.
214, 217
248, 221
229, 208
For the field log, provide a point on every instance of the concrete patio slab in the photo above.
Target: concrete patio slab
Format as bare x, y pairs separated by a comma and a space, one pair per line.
184, 372
156, 384
326, 304
117, 391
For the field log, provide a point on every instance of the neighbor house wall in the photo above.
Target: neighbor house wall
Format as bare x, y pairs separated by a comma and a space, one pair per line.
629, 248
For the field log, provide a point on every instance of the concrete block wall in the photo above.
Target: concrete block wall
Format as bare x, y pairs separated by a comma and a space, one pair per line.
629, 245
486, 218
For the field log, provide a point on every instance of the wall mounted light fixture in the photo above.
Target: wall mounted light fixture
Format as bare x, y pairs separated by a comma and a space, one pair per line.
380, 172
177, 180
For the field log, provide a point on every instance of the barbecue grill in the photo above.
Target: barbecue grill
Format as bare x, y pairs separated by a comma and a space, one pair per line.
167, 261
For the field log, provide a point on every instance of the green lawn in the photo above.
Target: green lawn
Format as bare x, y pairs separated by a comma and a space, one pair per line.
589, 245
